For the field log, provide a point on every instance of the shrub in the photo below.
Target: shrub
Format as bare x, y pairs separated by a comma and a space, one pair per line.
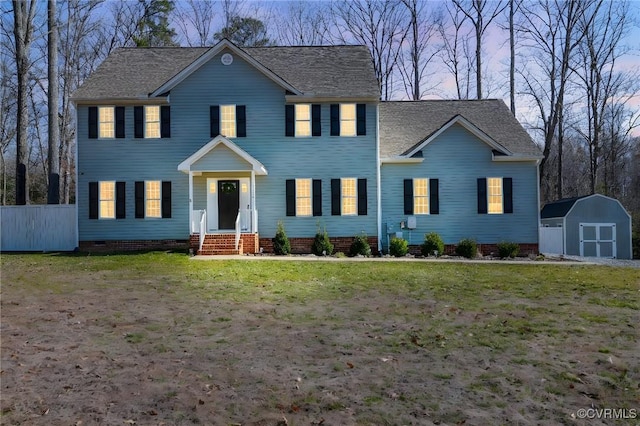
467, 248
321, 245
508, 249
281, 245
360, 246
433, 245
398, 247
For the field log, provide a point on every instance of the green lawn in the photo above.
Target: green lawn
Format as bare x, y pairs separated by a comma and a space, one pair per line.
257, 342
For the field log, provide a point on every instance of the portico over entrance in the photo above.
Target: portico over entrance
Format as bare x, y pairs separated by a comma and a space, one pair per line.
222, 190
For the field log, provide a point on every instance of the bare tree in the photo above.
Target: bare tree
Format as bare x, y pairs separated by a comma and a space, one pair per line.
419, 55
53, 160
455, 50
551, 30
481, 14
381, 26
7, 119
303, 24
196, 16
23, 14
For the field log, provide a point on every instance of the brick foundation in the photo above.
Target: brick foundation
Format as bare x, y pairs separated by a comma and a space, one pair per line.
526, 249
249, 242
132, 245
302, 245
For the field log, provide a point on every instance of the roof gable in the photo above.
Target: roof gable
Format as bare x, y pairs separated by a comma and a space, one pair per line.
256, 166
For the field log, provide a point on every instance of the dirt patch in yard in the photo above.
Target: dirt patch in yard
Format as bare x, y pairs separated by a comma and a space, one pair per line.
106, 347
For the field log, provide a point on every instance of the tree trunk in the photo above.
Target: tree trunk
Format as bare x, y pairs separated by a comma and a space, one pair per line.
53, 191
512, 65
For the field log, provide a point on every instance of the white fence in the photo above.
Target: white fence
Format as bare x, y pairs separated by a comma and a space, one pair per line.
38, 228
551, 240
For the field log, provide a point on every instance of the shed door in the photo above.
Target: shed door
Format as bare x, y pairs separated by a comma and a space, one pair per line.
598, 239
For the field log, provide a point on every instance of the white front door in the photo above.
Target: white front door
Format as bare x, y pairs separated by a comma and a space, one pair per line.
214, 206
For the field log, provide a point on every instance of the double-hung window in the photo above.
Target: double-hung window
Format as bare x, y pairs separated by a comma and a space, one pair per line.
349, 193
228, 120
106, 122
152, 122
153, 198
348, 119
303, 120
349, 197
107, 199
421, 196
495, 195
303, 197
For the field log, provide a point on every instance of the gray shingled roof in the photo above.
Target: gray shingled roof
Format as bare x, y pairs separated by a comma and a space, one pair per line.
406, 124
559, 208
327, 71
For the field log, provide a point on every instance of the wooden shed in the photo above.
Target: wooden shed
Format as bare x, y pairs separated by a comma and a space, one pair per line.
593, 225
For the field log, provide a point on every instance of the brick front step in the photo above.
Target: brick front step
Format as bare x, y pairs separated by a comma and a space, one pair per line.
223, 244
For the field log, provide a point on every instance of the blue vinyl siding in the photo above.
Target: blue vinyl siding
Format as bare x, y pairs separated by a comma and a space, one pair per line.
457, 158
131, 159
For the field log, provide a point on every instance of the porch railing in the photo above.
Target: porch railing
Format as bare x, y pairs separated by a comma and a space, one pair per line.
203, 226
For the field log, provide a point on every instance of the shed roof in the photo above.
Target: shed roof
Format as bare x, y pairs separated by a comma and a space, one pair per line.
404, 125
558, 208
321, 71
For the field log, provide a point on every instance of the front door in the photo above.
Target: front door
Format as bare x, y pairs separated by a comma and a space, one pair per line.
228, 203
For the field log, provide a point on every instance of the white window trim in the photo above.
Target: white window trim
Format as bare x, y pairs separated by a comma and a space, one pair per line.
235, 121
146, 198
355, 196
146, 122
355, 120
310, 197
296, 120
112, 200
100, 122
500, 180
428, 197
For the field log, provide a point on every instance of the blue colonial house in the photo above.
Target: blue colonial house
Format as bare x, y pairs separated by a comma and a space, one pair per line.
212, 147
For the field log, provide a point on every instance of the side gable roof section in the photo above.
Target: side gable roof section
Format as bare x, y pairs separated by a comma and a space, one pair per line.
257, 166
203, 59
406, 127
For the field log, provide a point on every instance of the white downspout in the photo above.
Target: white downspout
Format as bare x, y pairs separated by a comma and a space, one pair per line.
191, 230
378, 179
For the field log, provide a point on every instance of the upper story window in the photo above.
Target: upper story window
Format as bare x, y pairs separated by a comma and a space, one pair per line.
420, 196
107, 199
228, 120
303, 120
348, 119
153, 199
152, 122
106, 122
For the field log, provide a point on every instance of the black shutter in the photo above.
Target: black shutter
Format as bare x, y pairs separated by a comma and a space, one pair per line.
291, 197
241, 121
335, 120
139, 198
336, 204
361, 117
289, 120
434, 197
317, 197
93, 124
165, 121
166, 199
507, 195
408, 196
121, 211
93, 200
362, 197
138, 122
316, 121
120, 122
482, 195
214, 120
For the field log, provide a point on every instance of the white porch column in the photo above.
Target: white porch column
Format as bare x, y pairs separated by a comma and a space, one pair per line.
191, 230
254, 218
